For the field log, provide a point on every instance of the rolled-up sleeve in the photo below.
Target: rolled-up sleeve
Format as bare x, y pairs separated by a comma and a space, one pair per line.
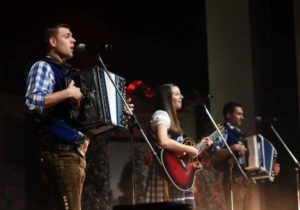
40, 83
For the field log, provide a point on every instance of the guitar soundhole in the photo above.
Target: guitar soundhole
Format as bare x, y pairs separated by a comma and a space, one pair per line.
197, 165
189, 142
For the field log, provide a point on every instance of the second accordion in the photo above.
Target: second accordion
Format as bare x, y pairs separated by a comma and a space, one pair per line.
262, 158
102, 107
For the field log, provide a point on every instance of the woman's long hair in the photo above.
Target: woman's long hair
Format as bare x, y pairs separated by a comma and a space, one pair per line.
164, 102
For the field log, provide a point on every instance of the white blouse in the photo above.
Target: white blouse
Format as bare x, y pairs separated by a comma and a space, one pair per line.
160, 117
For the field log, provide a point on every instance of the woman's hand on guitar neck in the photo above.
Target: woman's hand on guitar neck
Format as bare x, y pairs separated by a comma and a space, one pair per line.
207, 141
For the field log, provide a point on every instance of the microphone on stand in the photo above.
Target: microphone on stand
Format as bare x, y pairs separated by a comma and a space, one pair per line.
81, 47
206, 99
193, 102
261, 119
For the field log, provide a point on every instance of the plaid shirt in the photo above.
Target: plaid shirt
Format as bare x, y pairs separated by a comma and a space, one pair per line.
40, 83
232, 134
219, 143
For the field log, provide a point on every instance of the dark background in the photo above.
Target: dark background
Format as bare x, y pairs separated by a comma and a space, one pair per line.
159, 42
151, 41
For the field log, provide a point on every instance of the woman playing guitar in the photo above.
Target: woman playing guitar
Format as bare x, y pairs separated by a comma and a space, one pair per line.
168, 135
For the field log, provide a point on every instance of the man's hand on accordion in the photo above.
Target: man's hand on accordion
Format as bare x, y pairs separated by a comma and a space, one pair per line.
131, 106
239, 148
276, 169
74, 93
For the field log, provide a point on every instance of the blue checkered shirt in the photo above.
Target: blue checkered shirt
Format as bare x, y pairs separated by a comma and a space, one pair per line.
40, 83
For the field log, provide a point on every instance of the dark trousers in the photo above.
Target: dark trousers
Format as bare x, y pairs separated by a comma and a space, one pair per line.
63, 173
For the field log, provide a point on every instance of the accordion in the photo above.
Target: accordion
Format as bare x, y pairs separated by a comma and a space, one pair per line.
102, 107
261, 158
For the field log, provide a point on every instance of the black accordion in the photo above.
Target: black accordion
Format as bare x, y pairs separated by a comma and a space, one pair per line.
102, 107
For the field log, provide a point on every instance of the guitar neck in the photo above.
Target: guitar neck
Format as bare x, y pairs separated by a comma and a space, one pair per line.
214, 135
201, 146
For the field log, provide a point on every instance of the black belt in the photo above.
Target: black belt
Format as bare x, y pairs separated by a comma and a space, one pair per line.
51, 143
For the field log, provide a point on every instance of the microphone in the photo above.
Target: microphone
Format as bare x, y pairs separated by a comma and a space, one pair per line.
266, 120
210, 96
258, 118
203, 100
81, 47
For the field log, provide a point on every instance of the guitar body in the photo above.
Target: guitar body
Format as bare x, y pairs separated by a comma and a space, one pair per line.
180, 170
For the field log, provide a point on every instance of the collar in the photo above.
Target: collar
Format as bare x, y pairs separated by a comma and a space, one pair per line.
235, 128
64, 66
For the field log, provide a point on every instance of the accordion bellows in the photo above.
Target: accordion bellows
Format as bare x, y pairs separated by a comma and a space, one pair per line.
261, 159
102, 107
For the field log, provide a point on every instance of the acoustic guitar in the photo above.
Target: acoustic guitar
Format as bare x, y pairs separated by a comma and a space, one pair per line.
181, 169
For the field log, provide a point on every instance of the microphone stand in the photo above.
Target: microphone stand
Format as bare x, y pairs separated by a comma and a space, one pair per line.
231, 153
135, 120
297, 168
131, 127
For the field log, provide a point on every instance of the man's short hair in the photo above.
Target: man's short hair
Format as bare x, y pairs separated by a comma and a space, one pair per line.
229, 107
52, 30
